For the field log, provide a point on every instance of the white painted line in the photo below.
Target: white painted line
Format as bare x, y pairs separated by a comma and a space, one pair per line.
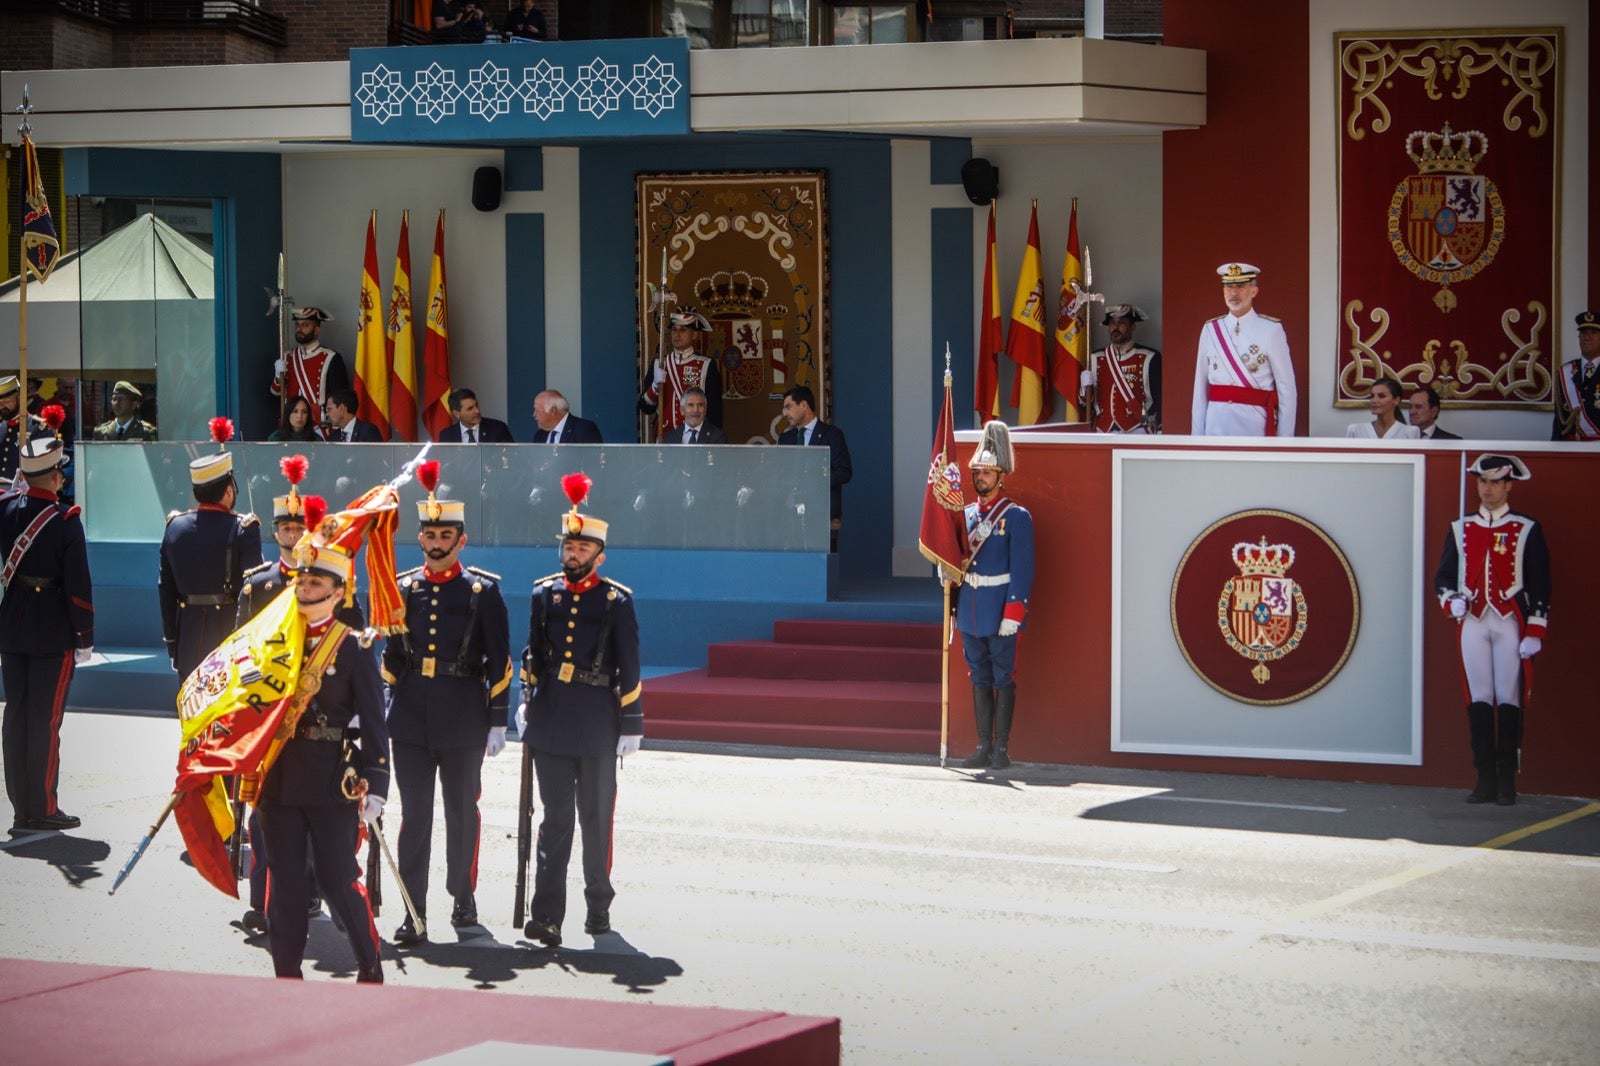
1251, 803
29, 837
899, 849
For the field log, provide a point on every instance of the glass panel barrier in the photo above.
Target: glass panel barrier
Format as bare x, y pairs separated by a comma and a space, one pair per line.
691, 497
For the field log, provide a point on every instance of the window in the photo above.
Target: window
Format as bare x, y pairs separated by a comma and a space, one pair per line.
869, 24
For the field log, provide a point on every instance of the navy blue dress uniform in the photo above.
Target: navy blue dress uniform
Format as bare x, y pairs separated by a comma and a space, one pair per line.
205, 553
304, 806
993, 601
581, 667
46, 614
449, 678
1577, 407
11, 429
1494, 578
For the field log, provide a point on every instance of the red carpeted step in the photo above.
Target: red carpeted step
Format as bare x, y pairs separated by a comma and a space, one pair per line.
872, 634
820, 704
838, 738
833, 662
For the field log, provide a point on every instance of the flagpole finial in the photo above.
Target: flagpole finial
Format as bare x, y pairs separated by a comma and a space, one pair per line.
25, 109
949, 378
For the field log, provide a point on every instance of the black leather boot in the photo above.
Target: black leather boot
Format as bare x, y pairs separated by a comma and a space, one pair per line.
1480, 719
1508, 745
1005, 702
983, 714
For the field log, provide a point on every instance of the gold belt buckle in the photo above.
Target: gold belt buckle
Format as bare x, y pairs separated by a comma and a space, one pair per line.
565, 673
428, 666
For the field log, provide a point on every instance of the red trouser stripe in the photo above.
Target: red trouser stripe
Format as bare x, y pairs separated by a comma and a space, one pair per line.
58, 705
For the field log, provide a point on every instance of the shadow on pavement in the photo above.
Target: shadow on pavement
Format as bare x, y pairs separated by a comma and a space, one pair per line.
77, 858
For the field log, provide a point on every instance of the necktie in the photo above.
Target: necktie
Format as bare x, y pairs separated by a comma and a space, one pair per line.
122, 432
472, 435
694, 436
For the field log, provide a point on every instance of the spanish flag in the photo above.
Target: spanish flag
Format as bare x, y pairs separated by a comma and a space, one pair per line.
436, 343
991, 336
401, 342
372, 347
230, 708
1069, 353
1025, 343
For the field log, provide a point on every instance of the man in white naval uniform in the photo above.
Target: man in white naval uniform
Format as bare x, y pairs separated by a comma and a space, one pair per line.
1243, 380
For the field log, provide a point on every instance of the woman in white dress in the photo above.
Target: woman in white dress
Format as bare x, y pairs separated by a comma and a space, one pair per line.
1385, 401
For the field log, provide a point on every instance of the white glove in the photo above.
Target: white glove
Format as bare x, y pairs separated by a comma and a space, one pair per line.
1086, 380
1458, 607
659, 376
497, 741
371, 808
1529, 647
1009, 627
521, 719
278, 368
628, 744
81, 656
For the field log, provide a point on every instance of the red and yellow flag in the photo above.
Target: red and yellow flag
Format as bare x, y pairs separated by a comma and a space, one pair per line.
401, 342
436, 344
1069, 353
943, 537
1025, 343
991, 336
230, 708
372, 347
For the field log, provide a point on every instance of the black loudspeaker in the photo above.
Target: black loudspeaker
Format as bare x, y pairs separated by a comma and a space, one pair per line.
486, 188
980, 180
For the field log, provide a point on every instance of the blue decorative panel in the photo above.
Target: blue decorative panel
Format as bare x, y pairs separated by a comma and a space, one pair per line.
508, 92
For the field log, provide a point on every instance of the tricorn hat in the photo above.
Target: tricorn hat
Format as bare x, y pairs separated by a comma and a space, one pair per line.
311, 312
689, 320
1128, 311
1499, 467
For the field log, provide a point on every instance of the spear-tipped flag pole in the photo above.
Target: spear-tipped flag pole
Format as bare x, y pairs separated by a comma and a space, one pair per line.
39, 246
943, 536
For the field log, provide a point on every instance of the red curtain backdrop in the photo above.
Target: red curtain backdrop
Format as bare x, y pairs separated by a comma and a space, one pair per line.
1448, 251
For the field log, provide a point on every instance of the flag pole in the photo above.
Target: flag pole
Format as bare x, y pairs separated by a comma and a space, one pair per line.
24, 128
944, 680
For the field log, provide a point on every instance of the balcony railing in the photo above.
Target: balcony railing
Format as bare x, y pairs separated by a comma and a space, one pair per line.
240, 15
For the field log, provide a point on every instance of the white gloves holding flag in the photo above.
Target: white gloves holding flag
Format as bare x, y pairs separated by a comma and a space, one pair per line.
628, 744
659, 376
278, 368
1009, 627
521, 719
1530, 647
497, 741
371, 808
1458, 608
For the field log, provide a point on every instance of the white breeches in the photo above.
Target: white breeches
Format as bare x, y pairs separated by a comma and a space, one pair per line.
1489, 655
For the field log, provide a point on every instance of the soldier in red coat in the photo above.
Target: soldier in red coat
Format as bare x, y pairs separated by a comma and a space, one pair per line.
684, 368
1123, 383
309, 369
1494, 578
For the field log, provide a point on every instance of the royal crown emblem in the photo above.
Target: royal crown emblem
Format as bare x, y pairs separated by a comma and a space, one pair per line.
944, 478
1446, 221
1262, 611
743, 326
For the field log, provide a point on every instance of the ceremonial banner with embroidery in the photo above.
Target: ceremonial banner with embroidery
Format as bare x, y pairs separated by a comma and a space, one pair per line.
1449, 156
748, 251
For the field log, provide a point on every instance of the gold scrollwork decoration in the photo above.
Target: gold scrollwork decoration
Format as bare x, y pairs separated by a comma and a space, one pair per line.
1448, 62
1521, 377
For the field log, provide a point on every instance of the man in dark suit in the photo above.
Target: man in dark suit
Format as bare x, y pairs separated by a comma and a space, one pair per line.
470, 427
1424, 407
695, 428
340, 411
800, 408
557, 423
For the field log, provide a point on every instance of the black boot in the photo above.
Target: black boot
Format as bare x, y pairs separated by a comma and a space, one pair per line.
983, 714
1005, 701
1480, 719
1508, 744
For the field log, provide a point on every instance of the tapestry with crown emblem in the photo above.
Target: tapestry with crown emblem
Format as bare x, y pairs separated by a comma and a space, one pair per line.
749, 251
1449, 151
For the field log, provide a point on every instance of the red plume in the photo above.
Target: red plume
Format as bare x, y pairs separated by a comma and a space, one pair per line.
53, 414
576, 486
315, 509
294, 468
428, 474
221, 429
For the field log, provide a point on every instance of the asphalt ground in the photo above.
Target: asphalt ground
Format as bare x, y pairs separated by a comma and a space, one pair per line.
1049, 915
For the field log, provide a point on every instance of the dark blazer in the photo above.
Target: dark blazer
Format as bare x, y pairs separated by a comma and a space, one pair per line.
1443, 434
839, 469
490, 431
48, 609
709, 434
362, 432
576, 431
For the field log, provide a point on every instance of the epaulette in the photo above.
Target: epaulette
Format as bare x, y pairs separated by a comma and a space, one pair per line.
1269, 318
248, 519
485, 573
174, 514
549, 577
408, 573
618, 584
406, 578
71, 511
254, 570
